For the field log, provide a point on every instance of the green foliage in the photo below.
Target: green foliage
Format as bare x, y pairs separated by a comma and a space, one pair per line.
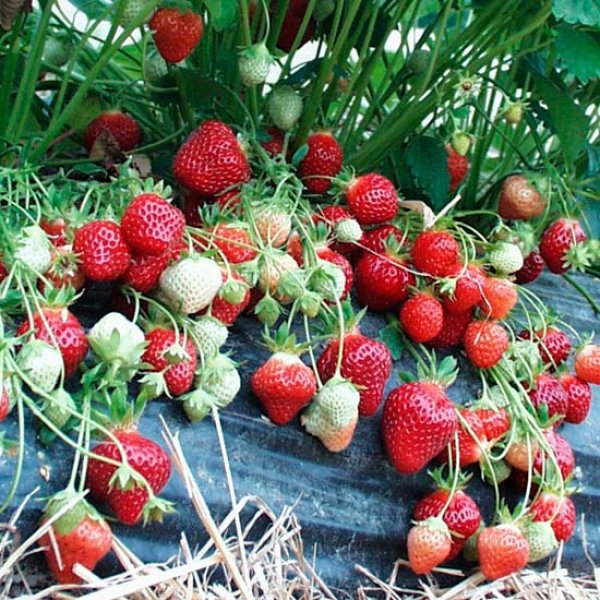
586, 12
580, 52
223, 13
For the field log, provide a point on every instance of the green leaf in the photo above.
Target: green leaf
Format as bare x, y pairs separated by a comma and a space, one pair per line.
427, 160
391, 338
586, 12
579, 51
223, 13
94, 9
567, 119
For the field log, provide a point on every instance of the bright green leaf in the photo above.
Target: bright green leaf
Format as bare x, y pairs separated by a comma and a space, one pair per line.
223, 13
586, 12
579, 51
391, 338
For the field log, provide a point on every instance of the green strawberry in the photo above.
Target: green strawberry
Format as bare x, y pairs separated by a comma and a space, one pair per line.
418, 61
506, 258
469, 551
285, 107
328, 280
59, 408
310, 304
57, 51
42, 364
209, 334
254, 64
221, 379
540, 537
348, 230
323, 9
461, 142
131, 11
32, 249
500, 468
155, 67
198, 404
513, 113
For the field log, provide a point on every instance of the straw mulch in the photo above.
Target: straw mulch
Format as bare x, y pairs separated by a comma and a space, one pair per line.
255, 553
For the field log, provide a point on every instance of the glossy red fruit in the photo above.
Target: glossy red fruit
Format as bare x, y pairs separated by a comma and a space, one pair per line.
292, 22
563, 453
176, 33
144, 272
496, 422
558, 240
228, 312
322, 162
502, 550
587, 364
499, 297
458, 167
485, 343
3, 270
533, 266
467, 292
579, 395
436, 253
65, 270
211, 160
337, 259
549, 391
233, 241
366, 362
519, 199
422, 317
472, 441
372, 199
56, 230
554, 345
559, 511
275, 142
418, 422
453, 330
4, 403
123, 128
428, 544
377, 238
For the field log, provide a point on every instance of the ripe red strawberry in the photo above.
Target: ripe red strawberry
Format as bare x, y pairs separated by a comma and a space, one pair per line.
560, 511
60, 327
337, 259
284, 385
3, 270
436, 253
587, 364
4, 403
274, 145
144, 272
428, 545
382, 282
418, 422
192, 203
453, 330
519, 199
579, 395
292, 21
377, 238
485, 342
422, 317
177, 369
56, 229
458, 167
372, 199
144, 456
554, 345
366, 363
322, 162
225, 309
65, 270
123, 128
496, 422
533, 265
233, 241
502, 550
176, 33
559, 241
467, 291
471, 440
211, 160
549, 391
499, 297
150, 225
103, 252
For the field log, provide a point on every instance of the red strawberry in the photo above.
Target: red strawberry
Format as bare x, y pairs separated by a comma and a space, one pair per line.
228, 201
3, 270
60, 327
274, 146
56, 229
150, 225
366, 363
453, 330
519, 199
549, 391
499, 297
143, 456
458, 167
123, 128
292, 21
559, 242
65, 270
322, 162
284, 385
428, 545
495, 421
176, 33
554, 345
4, 403
372, 199
211, 160
340, 261
471, 440
485, 343
563, 454
192, 203
178, 370
377, 238
422, 317
502, 550
467, 291
233, 241
587, 364
144, 272
436, 253
227, 311
560, 511
579, 395
418, 422
103, 252
533, 265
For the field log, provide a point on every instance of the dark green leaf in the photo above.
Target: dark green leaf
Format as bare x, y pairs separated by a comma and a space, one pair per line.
427, 160
586, 12
223, 13
299, 154
391, 338
579, 51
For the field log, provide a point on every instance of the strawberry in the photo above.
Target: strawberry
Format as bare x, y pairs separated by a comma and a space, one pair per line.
549, 392
495, 421
173, 357
377, 238
223, 306
80, 536
540, 538
59, 407
3, 270
233, 241
418, 61
272, 269
143, 456
322, 162
418, 422
154, 68
466, 292
292, 21
192, 203
513, 113
273, 224
144, 272
587, 364
102, 250
344, 227
485, 343
176, 33
554, 345
276, 142
4, 403
499, 297
58, 51
533, 265
211, 160
519, 452
191, 283
33, 249
209, 334
41, 363
56, 230
502, 550
335, 258
123, 128
65, 270
471, 440
453, 330
284, 107
428, 545
366, 363
458, 167
254, 64
422, 317
221, 379
559, 245
562, 451
559, 511
519, 199
505, 258
284, 385
150, 225
59, 327
333, 415
372, 199
436, 253
579, 395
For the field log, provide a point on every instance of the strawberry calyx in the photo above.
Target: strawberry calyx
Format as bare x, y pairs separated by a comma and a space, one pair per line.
434, 524
330, 323
284, 342
73, 516
449, 482
442, 375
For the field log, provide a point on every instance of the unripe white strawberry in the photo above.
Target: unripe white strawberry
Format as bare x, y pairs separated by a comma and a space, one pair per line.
272, 267
115, 339
131, 11
220, 378
198, 404
33, 249
209, 335
59, 408
41, 363
285, 107
506, 258
190, 284
348, 231
254, 64
328, 281
273, 224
